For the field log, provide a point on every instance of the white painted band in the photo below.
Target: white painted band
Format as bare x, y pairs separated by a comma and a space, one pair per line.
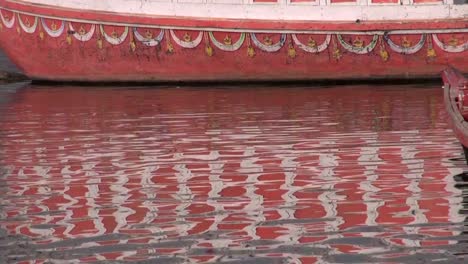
51, 32
86, 36
278, 11
283, 31
28, 28
8, 23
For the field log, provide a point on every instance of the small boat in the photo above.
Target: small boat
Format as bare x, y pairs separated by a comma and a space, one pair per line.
456, 104
213, 40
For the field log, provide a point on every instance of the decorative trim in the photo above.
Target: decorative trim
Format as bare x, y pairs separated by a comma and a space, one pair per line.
188, 44
450, 48
274, 47
81, 34
114, 39
28, 28
331, 37
176, 12
358, 49
311, 48
55, 33
148, 41
226, 46
426, 27
8, 23
406, 50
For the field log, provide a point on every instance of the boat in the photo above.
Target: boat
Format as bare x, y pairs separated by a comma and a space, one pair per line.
456, 104
233, 40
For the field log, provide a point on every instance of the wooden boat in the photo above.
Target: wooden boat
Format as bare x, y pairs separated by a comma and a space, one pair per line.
456, 104
205, 40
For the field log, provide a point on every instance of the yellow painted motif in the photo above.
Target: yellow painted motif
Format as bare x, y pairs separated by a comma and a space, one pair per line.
337, 54
41, 33
132, 42
311, 43
114, 34
267, 41
406, 43
251, 51
384, 54
292, 51
187, 37
18, 30
99, 43
149, 34
54, 26
69, 39
209, 50
82, 31
453, 41
358, 43
169, 48
431, 53
228, 40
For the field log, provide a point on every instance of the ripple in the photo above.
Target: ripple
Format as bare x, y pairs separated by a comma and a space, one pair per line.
260, 175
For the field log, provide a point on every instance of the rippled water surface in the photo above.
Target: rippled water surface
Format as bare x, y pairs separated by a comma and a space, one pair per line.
234, 175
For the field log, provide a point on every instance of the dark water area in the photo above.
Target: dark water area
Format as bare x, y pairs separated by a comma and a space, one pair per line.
6, 65
348, 174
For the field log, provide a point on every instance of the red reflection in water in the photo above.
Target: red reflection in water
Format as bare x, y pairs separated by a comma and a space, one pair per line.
236, 173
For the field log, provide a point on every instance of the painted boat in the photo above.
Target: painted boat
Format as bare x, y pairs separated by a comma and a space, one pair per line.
456, 104
206, 40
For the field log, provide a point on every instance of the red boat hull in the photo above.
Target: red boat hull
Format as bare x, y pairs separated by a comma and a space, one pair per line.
455, 88
273, 54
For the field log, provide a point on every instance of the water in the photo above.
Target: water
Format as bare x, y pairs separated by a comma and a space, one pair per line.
234, 175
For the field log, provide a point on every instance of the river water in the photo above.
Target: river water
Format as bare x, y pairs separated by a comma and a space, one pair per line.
249, 174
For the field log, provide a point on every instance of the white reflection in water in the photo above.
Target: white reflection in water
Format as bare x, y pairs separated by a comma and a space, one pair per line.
288, 177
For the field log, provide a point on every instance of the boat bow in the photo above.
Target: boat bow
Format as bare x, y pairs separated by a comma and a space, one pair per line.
456, 104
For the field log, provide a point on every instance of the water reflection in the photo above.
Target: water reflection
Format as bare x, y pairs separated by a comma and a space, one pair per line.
264, 175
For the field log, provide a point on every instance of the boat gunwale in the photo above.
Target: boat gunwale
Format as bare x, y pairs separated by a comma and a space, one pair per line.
371, 27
